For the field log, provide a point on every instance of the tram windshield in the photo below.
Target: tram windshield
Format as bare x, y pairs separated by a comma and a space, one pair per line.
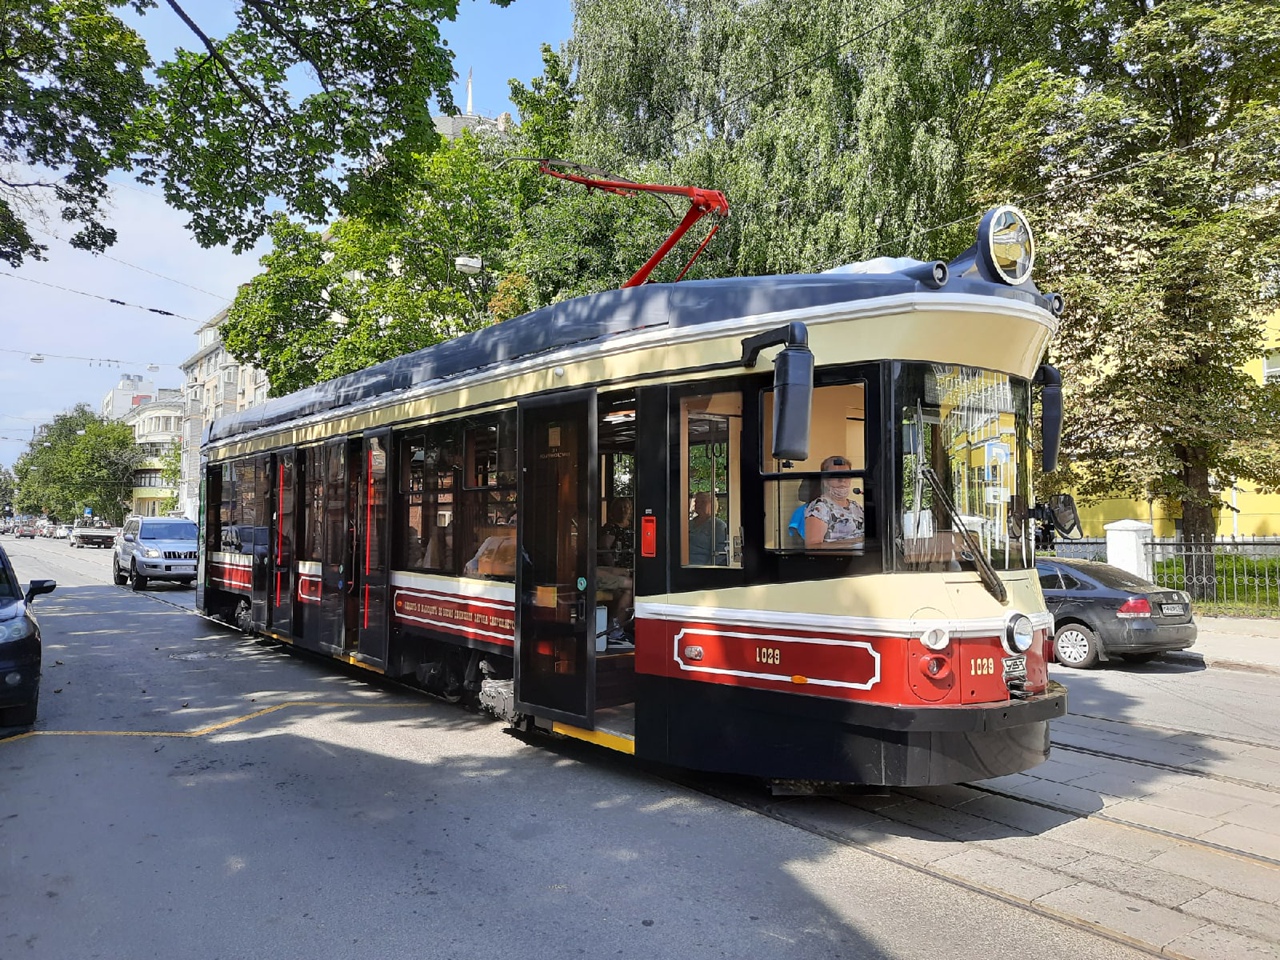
965, 468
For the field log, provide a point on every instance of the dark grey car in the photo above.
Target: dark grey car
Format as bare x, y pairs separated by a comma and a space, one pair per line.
155, 548
1101, 612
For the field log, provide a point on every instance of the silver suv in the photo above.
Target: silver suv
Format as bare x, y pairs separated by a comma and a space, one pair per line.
155, 548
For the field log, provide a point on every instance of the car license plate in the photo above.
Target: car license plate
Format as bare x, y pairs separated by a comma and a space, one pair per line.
1015, 668
1173, 609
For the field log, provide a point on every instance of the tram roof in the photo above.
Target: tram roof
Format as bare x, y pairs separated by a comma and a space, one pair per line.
596, 317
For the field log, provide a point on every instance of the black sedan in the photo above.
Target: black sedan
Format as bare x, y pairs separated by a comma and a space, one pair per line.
1101, 612
19, 647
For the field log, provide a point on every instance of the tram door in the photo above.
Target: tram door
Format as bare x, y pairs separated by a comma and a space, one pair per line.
338, 543
280, 549
370, 608
555, 577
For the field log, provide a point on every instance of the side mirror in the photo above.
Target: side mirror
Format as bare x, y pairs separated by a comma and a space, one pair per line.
792, 387
37, 587
1050, 415
128, 538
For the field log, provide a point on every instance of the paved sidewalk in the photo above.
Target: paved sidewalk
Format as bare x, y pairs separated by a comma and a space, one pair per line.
1237, 643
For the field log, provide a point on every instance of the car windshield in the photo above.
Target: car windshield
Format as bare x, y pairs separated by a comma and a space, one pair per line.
168, 530
9, 589
1115, 578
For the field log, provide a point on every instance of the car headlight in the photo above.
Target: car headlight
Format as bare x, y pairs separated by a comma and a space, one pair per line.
151, 553
18, 628
1018, 634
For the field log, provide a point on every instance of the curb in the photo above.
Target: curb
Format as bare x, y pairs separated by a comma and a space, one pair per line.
1220, 663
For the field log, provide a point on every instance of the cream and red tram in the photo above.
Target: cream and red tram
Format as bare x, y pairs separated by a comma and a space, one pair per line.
591, 519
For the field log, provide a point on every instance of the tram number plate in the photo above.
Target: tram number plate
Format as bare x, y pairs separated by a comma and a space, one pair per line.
1172, 609
1015, 668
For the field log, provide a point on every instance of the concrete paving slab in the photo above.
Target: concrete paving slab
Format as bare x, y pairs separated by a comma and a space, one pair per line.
1255, 816
1202, 803
1115, 839
1040, 851
1162, 818
1136, 879
1016, 878
954, 824
1224, 788
1253, 771
1138, 783
944, 796
1222, 871
1212, 942
1131, 916
1060, 794
1246, 840
1014, 813
1256, 919
907, 843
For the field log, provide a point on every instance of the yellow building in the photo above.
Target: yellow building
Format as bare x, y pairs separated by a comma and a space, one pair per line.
1249, 512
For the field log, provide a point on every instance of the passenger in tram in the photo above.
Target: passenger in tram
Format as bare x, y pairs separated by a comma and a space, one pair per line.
708, 534
614, 571
833, 520
497, 555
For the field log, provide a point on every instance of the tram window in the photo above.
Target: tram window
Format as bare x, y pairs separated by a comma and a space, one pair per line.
965, 479
312, 504
831, 486
429, 466
488, 501
710, 462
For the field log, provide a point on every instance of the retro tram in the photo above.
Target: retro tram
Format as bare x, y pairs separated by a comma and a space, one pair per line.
777, 526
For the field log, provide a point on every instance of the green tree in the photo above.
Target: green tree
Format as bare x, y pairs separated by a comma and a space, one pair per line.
322, 106
1147, 137
366, 290
78, 460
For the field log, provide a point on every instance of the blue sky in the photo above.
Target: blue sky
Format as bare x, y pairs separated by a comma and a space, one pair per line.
88, 343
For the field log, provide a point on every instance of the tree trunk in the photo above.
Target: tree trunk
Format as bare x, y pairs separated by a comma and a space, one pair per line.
1198, 527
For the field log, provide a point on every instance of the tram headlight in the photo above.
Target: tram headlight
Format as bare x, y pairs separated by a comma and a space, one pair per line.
935, 638
1018, 634
1006, 246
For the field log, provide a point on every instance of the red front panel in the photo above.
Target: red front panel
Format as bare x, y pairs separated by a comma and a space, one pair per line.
870, 669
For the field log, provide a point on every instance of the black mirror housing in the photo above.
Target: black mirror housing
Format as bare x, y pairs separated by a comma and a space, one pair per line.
37, 587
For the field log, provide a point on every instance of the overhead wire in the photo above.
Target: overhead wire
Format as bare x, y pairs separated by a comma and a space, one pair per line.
98, 296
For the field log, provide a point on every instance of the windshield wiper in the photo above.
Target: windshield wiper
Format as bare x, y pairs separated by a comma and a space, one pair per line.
995, 586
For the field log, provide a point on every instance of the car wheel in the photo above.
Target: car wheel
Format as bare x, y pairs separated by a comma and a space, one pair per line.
1138, 657
118, 575
1075, 645
139, 581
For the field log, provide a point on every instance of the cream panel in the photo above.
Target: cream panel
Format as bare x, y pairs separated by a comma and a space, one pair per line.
1002, 335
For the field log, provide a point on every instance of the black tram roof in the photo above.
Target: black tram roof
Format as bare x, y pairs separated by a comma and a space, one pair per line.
597, 317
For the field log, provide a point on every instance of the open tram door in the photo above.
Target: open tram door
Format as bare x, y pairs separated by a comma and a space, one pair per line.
556, 619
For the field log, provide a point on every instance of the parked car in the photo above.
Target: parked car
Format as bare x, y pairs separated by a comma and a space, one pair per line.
62, 531
1101, 612
155, 548
25, 529
19, 647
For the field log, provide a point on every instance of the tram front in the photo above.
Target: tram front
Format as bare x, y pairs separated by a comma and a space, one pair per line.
885, 625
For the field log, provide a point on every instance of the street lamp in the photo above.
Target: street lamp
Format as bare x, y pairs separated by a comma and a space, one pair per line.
468, 264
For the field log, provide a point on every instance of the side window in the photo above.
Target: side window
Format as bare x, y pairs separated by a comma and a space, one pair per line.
820, 505
710, 438
1049, 579
489, 497
312, 504
1071, 583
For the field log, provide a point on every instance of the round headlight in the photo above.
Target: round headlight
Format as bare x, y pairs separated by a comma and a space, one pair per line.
19, 628
1018, 634
1006, 246
935, 638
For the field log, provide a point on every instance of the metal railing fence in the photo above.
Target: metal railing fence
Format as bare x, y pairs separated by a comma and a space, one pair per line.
1227, 575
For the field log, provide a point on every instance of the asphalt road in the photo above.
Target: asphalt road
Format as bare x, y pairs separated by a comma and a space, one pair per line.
188, 792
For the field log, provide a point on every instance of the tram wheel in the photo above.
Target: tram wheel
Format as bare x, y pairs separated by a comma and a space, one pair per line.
1075, 645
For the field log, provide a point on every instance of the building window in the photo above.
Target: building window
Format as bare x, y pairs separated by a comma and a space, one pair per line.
1271, 367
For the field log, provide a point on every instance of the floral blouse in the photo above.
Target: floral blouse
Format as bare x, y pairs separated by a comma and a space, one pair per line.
844, 522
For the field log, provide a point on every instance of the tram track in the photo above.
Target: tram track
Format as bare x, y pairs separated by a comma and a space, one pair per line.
1169, 768
1176, 731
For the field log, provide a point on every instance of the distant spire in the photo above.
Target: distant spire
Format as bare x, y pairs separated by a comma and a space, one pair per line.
469, 92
